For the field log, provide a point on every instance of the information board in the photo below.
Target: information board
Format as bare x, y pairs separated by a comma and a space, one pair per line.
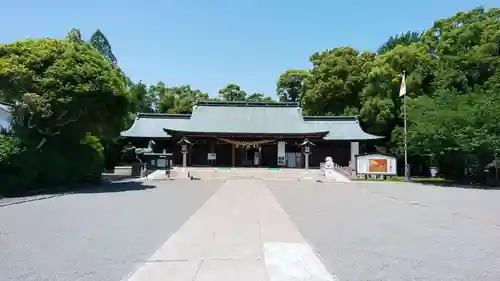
376, 164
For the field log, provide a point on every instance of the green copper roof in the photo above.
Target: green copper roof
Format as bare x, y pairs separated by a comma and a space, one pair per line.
150, 125
339, 127
247, 118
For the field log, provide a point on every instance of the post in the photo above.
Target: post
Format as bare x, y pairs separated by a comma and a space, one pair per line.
233, 155
354, 151
184, 158
407, 171
306, 164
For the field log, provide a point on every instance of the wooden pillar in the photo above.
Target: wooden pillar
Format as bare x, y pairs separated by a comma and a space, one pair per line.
354, 148
233, 155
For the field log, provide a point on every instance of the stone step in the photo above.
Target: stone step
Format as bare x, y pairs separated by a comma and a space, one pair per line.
239, 173
250, 175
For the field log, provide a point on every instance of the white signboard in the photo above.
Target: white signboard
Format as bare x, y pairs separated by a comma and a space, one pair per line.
376, 164
211, 156
281, 153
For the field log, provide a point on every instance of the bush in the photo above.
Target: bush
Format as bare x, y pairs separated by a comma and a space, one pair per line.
57, 167
17, 173
112, 152
93, 159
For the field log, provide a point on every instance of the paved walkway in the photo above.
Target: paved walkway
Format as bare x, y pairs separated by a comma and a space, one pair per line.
241, 233
269, 174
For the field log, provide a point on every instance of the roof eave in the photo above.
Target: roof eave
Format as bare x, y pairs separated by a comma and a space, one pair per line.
364, 138
236, 134
124, 135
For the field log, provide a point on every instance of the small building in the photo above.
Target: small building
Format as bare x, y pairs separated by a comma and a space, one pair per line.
232, 134
5, 116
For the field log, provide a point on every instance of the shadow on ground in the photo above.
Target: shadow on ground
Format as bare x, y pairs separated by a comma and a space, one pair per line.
105, 187
461, 185
113, 187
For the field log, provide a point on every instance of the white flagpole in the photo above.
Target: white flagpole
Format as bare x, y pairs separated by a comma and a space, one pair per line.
407, 171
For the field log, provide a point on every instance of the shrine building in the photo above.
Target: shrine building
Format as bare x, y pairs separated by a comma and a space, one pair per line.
244, 134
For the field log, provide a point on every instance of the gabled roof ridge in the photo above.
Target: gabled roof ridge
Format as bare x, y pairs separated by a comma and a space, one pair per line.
162, 115
328, 118
247, 104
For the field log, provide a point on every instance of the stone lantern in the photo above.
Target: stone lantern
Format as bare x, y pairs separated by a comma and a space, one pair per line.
184, 142
307, 144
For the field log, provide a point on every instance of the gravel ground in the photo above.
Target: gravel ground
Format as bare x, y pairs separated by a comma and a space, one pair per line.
399, 231
363, 231
94, 235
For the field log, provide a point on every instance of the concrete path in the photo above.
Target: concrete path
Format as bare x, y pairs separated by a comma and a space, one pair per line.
240, 233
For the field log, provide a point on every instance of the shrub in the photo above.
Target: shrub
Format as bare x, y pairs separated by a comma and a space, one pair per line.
17, 173
57, 167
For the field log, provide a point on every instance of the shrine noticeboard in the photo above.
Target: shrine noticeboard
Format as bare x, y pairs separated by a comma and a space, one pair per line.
376, 164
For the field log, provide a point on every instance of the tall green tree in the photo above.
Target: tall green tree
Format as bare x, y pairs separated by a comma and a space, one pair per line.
403, 39
61, 89
232, 92
258, 97
75, 36
382, 105
101, 43
466, 47
180, 99
141, 98
336, 81
290, 85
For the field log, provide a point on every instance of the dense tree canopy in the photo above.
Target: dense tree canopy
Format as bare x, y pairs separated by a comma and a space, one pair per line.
403, 39
61, 87
258, 97
336, 81
453, 87
290, 85
232, 92
180, 99
65, 96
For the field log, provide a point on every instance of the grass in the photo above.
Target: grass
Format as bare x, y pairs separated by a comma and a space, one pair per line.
437, 182
419, 180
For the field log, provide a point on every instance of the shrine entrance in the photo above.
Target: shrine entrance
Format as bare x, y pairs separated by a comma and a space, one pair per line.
248, 153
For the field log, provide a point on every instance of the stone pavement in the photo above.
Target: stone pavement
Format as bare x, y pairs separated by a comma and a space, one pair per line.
240, 233
281, 174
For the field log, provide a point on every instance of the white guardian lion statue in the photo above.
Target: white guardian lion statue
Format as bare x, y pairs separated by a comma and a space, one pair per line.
329, 168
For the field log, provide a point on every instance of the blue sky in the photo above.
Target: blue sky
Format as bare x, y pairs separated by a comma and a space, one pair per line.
209, 43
